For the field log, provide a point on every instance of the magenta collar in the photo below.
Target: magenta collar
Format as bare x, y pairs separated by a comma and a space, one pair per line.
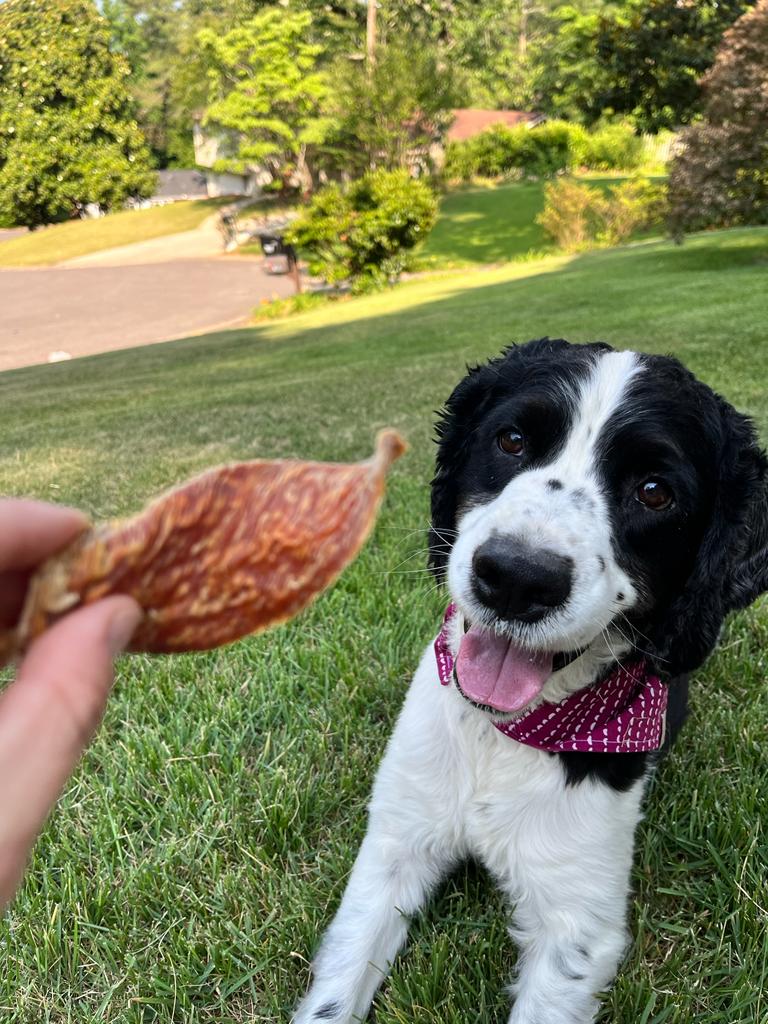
623, 713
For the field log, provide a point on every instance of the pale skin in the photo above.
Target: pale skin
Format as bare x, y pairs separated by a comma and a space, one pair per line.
50, 711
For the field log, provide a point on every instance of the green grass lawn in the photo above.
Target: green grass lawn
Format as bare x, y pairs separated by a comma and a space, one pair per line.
79, 237
207, 837
493, 223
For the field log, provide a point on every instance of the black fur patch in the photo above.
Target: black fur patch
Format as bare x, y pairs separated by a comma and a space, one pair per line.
328, 1011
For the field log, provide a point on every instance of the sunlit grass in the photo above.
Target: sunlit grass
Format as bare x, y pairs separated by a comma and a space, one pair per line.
79, 237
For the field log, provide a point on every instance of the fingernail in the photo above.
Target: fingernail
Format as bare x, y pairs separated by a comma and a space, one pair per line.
123, 623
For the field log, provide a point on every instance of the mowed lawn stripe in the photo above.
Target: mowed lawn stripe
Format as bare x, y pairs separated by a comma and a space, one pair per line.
206, 838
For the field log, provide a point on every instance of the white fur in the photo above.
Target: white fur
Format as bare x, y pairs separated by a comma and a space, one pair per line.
451, 786
529, 511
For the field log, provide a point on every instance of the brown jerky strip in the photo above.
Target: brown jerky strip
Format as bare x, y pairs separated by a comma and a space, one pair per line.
231, 552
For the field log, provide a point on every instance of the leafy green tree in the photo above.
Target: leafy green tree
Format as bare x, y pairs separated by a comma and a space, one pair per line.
566, 78
653, 52
67, 132
265, 91
387, 113
720, 177
168, 76
155, 37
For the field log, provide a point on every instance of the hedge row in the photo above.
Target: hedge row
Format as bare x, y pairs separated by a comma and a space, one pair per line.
550, 148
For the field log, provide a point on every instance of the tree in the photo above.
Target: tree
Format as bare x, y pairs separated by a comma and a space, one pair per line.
67, 132
265, 91
168, 76
386, 113
567, 79
720, 178
653, 52
155, 37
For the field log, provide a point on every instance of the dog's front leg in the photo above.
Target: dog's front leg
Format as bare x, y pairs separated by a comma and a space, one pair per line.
412, 842
570, 887
390, 881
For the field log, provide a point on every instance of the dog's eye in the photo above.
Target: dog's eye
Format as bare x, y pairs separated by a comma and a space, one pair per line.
655, 494
511, 442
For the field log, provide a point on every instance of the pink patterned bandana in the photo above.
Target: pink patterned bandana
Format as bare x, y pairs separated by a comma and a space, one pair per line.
623, 713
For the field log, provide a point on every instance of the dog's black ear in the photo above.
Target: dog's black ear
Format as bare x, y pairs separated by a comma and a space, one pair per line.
454, 431
731, 569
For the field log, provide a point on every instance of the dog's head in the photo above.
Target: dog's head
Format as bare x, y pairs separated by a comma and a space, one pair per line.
588, 500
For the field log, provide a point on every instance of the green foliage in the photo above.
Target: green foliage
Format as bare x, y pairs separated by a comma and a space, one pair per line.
500, 151
572, 214
293, 305
638, 58
566, 77
549, 148
580, 217
67, 133
386, 114
167, 78
720, 178
364, 234
653, 52
265, 91
633, 207
610, 146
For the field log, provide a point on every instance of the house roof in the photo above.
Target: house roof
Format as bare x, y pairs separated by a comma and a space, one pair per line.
180, 185
470, 121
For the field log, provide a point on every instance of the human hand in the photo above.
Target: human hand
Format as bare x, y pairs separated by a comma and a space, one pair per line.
52, 708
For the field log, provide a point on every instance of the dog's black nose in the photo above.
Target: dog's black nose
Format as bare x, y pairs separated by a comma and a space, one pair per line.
520, 582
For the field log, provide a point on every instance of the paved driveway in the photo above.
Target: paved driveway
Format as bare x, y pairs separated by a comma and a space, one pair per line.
82, 311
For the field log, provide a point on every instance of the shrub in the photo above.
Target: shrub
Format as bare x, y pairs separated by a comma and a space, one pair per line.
572, 214
580, 217
720, 177
548, 149
635, 205
610, 146
499, 151
365, 234
459, 162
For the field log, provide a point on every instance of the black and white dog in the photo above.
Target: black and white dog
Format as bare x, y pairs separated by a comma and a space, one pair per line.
596, 514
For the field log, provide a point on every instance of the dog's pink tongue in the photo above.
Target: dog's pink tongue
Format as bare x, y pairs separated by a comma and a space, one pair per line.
493, 671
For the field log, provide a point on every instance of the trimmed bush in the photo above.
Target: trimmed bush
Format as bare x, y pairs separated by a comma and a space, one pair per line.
500, 151
611, 146
364, 234
550, 148
580, 217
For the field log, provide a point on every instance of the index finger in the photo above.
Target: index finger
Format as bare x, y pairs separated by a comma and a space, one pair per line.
31, 531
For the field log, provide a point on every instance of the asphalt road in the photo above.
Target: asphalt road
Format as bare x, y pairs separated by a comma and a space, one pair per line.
97, 309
